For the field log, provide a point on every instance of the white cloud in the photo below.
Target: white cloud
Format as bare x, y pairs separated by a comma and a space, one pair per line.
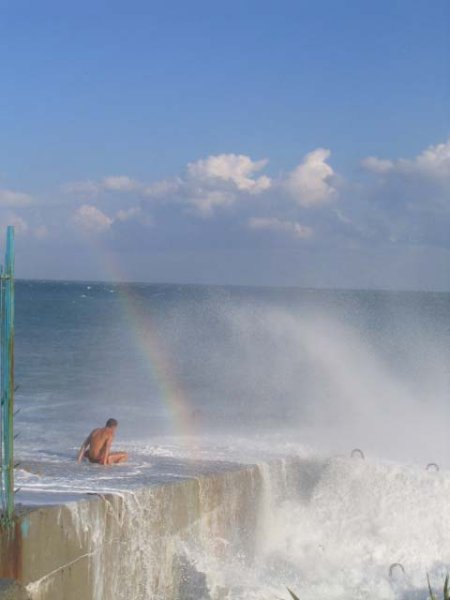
273, 224
112, 183
433, 162
410, 200
92, 219
205, 201
309, 183
216, 181
377, 165
10, 198
237, 169
406, 201
119, 183
162, 188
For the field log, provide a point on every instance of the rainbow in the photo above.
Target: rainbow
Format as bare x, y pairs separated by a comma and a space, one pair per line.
145, 339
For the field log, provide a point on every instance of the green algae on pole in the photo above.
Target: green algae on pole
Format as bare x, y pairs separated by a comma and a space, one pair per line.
7, 381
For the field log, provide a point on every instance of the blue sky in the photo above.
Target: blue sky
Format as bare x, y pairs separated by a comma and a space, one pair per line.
273, 143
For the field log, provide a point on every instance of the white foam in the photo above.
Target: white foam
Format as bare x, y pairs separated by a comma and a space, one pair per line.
327, 528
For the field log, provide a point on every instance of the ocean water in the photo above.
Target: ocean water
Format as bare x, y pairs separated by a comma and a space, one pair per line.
204, 379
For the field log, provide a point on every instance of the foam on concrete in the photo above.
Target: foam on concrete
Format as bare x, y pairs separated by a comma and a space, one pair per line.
131, 545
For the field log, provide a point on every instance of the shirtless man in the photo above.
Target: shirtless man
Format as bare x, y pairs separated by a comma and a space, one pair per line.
96, 447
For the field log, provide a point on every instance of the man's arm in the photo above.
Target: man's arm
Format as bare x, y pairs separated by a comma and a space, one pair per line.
84, 447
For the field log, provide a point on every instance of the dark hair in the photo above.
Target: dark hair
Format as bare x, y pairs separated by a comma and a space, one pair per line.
111, 423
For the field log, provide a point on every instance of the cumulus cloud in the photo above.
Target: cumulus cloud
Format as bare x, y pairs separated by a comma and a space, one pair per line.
310, 183
237, 169
410, 200
205, 201
112, 183
377, 165
273, 224
163, 188
92, 219
119, 183
433, 162
11, 198
216, 181
406, 202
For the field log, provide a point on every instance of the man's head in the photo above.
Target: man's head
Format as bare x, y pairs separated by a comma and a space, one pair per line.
111, 423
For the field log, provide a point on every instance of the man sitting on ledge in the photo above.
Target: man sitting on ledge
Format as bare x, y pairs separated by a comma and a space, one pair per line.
96, 447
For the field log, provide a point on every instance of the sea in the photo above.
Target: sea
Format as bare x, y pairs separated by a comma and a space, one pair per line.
200, 378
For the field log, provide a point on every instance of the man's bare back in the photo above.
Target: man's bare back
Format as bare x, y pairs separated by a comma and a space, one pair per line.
96, 447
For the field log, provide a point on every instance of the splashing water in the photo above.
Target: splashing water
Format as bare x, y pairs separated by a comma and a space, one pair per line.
288, 380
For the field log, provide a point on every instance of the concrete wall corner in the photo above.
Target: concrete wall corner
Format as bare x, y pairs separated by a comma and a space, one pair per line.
10, 589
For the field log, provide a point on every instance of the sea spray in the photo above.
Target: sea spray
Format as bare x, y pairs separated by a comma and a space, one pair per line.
325, 527
337, 369
266, 375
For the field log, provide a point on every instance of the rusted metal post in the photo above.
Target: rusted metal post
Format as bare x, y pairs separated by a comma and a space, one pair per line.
7, 378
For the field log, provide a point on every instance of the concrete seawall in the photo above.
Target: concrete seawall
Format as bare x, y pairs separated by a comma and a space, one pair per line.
239, 532
132, 546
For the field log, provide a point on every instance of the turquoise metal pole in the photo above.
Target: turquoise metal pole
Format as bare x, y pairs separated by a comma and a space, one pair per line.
2, 412
7, 375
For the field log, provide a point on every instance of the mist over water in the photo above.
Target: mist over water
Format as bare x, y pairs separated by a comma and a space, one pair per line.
289, 379
335, 378
337, 369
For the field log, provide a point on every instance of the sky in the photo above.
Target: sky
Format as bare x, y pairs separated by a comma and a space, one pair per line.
291, 143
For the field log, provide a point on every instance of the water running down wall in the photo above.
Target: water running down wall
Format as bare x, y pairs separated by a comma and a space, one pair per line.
134, 545
328, 528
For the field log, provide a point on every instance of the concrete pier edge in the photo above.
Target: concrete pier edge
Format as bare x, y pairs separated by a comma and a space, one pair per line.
76, 550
